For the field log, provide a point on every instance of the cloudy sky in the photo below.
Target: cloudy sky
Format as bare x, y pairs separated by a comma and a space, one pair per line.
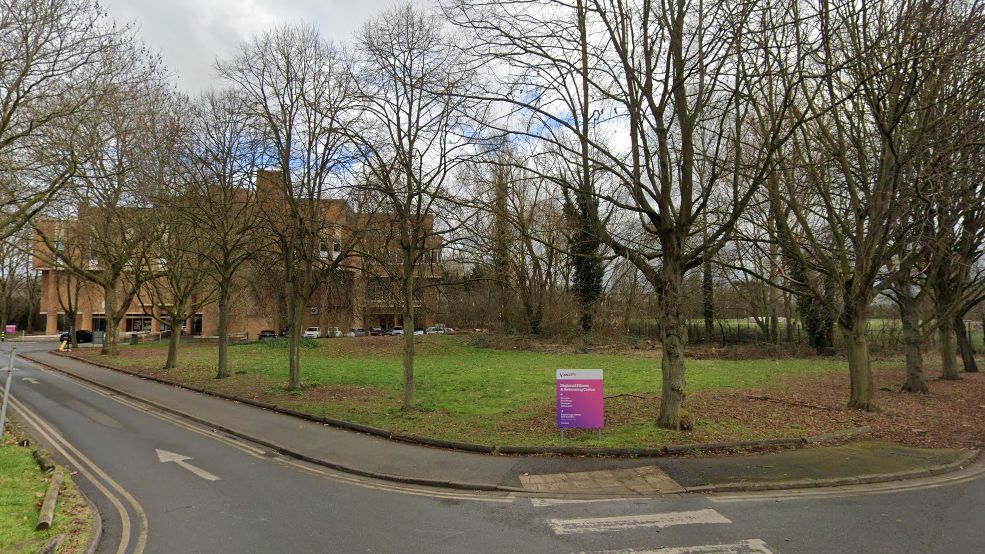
190, 34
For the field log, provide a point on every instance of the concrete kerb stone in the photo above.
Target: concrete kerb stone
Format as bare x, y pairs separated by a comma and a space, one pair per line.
614, 452
843, 435
966, 459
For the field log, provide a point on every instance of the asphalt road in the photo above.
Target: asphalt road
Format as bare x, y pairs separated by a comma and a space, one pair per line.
165, 485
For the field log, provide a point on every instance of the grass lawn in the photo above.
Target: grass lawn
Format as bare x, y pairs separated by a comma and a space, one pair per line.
473, 394
22, 486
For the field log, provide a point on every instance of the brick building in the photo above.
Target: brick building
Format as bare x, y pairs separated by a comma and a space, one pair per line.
361, 294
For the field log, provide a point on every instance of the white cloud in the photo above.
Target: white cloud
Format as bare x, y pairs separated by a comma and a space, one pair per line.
191, 34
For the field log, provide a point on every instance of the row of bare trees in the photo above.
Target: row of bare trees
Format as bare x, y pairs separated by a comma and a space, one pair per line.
827, 149
830, 149
162, 206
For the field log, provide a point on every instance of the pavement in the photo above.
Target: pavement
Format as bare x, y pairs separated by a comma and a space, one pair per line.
371, 456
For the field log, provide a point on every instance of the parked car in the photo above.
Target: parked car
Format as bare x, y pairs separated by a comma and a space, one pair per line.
449, 331
360, 332
376, 332
81, 336
418, 331
397, 331
312, 333
267, 334
434, 331
333, 332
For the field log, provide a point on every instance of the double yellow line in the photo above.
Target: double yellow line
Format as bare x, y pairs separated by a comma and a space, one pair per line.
103, 482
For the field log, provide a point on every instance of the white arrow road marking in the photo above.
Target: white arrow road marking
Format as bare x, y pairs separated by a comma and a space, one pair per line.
164, 456
31, 380
751, 546
619, 523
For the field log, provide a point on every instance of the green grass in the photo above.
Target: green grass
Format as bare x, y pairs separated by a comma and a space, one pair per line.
463, 392
20, 482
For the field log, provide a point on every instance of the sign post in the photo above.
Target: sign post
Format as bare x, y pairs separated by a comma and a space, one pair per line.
580, 400
6, 393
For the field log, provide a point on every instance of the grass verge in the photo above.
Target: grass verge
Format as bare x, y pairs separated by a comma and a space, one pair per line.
478, 394
22, 489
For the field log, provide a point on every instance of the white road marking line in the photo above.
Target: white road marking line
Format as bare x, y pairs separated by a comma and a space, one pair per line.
546, 502
619, 523
179, 459
751, 546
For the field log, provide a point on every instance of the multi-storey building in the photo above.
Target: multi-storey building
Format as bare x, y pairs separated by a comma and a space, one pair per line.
362, 293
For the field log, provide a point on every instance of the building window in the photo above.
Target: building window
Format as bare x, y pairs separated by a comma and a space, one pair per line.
64, 322
99, 323
323, 250
336, 246
138, 323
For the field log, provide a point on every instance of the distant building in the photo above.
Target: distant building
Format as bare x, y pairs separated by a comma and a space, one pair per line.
361, 294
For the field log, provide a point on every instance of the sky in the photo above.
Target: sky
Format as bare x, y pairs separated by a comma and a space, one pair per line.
191, 34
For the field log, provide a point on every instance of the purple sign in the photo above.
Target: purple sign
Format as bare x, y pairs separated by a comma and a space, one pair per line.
580, 399
11, 329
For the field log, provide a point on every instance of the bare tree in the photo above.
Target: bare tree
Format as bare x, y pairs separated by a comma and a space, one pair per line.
14, 260
414, 135
219, 199
848, 201
177, 285
296, 91
123, 140
684, 85
52, 69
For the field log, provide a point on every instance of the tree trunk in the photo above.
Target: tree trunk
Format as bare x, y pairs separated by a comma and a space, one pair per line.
708, 300
111, 338
408, 285
964, 345
949, 362
913, 346
223, 331
72, 338
172, 360
673, 337
295, 308
863, 393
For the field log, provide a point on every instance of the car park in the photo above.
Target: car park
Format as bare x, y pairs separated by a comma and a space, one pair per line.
312, 333
267, 334
81, 336
333, 332
376, 332
397, 331
360, 332
418, 330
